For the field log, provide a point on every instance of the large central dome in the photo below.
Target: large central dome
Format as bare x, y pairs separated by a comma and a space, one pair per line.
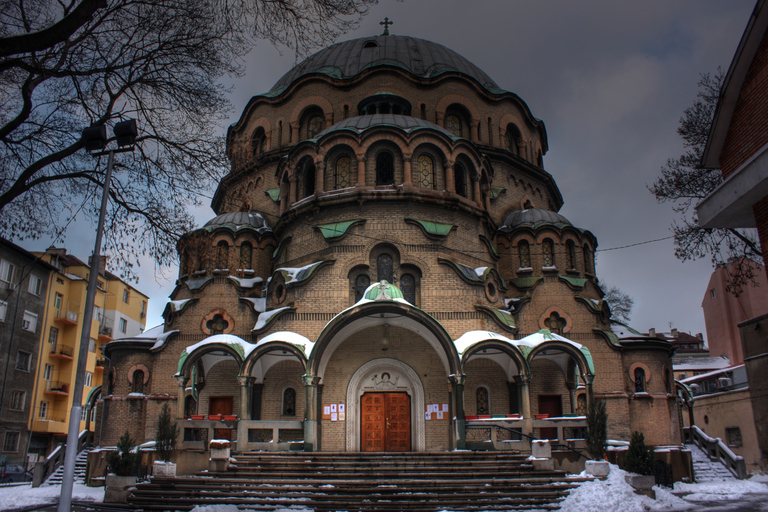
418, 56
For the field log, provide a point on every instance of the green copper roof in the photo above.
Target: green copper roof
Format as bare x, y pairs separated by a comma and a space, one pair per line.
575, 282
435, 229
523, 283
503, 318
336, 229
496, 191
383, 290
274, 194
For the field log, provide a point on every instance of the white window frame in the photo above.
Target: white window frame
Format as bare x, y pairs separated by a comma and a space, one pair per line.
10, 435
126, 295
58, 299
29, 321
48, 372
3, 310
35, 285
18, 400
7, 271
91, 345
88, 378
93, 413
29, 360
43, 412
123, 325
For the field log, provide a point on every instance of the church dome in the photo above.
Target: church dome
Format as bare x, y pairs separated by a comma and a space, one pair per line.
533, 217
419, 57
362, 123
239, 220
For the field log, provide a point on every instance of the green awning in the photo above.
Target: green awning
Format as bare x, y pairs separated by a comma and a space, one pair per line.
274, 194
436, 229
337, 229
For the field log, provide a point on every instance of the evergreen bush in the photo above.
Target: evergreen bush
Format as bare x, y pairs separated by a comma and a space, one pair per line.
123, 462
597, 429
639, 458
167, 433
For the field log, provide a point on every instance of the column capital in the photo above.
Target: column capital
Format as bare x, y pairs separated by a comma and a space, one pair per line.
310, 380
182, 380
457, 379
246, 380
523, 378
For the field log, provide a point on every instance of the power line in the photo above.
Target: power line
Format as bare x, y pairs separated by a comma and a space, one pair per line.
637, 243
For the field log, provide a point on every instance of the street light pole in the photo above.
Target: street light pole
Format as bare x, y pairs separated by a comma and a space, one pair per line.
65, 499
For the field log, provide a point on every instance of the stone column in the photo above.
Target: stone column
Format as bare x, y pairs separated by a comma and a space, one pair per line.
319, 177
524, 382
294, 127
246, 384
476, 132
450, 181
407, 179
360, 170
457, 382
182, 380
292, 192
310, 412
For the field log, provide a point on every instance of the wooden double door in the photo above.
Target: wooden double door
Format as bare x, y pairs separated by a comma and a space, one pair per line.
386, 422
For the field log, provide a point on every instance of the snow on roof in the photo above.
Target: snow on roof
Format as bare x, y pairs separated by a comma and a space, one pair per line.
152, 332
162, 338
297, 273
710, 374
259, 304
470, 338
543, 336
247, 282
480, 271
701, 363
241, 346
625, 331
293, 338
265, 316
178, 305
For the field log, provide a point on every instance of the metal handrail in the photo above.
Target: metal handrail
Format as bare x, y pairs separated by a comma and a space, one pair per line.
554, 445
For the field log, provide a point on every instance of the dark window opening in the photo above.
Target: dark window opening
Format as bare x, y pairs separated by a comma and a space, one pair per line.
639, 380
460, 177
482, 401
385, 268
385, 168
362, 282
289, 402
408, 287
138, 382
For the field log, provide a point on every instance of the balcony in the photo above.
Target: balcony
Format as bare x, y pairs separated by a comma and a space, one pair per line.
66, 317
105, 334
55, 421
101, 363
64, 352
57, 388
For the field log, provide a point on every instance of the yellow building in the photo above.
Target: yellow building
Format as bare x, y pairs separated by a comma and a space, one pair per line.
119, 311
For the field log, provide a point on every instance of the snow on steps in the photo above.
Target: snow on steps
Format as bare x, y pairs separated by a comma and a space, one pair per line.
706, 470
80, 462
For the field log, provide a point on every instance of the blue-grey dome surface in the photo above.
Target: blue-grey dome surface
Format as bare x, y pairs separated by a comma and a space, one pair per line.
362, 123
534, 217
238, 220
418, 56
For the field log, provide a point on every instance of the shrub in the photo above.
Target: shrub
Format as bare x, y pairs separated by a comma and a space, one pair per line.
123, 462
167, 433
639, 458
597, 429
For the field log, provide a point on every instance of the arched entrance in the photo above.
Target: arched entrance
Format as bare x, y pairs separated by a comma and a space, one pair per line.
390, 385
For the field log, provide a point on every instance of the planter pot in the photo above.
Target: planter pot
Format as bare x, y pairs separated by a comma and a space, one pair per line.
541, 416
640, 482
470, 417
214, 417
118, 488
598, 468
197, 417
229, 418
484, 416
161, 468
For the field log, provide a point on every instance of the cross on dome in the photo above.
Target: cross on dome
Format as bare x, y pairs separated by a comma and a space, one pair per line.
386, 24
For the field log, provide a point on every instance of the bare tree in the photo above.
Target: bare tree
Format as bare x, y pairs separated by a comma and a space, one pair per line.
684, 183
68, 64
620, 303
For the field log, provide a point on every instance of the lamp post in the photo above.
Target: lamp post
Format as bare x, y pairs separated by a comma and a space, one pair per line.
95, 138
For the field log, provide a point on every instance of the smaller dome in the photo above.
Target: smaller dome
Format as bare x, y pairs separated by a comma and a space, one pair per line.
239, 220
383, 291
362, 123
533, 217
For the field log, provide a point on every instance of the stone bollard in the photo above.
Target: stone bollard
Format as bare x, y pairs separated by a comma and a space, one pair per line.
219, 460
541, 455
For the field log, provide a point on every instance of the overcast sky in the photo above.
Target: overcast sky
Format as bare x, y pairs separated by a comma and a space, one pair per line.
610, 80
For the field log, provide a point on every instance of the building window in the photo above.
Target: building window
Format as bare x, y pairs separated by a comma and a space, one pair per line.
460, 179
91, 345
712, 293
524, 250
138, 382
570, 255
29, 322
308, 177
53, 338
426, 174
481, 397
11, 442
384, 268
123, 325
246, 251
6, 272
555, 323
342, 171
143, 309
23, 360
88, 378
3, 310
18, 399
513, 139
362, 282
93, 413
408, 287
35, 285
314, 126
733, 436
548, 249
453, 124
126, 296
258, 142
289, 402
43, 410
587, 259
57, 300
48, 372
639, 380
222, 250
385, 168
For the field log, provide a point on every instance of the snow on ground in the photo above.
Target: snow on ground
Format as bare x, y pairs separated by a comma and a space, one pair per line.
610, 495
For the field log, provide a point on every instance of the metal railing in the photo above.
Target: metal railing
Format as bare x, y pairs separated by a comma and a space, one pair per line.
530, 438
51, 463
717, 451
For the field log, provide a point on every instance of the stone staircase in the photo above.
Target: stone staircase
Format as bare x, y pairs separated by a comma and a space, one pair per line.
80, 462
465, 481
706, 470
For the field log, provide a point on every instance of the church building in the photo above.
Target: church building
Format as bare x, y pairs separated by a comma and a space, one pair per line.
387, 270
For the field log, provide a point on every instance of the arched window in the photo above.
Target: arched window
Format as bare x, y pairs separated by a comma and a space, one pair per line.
555, 323
289, 402
362, 282
481, 396
426, 174
548, 250
453, 124
581, 405
570, 255
217, 325
639, 380
190, 406
513, 139
408, 287
588, 262
524, 250
308, 180
138, 382
385, 168
341, 172
246, 250
258, 141
314, 126
460, 177
384, 268
222, 250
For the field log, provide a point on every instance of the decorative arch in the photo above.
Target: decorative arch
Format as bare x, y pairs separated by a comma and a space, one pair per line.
409, 383
204, 325
133, 369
